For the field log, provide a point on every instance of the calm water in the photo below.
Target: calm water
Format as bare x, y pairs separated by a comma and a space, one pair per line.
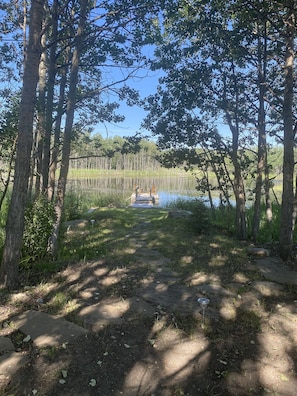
169, 188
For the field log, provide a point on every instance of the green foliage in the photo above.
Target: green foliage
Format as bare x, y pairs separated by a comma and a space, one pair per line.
3, 217
110, 224
268, 231
4, 209
112, 199
204, 219
8, 126
39, 220
73, 205
77, 204
2, 238
116, 153
224, 219
200, 218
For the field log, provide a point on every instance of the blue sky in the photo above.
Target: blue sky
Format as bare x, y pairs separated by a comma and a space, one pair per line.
146, 84
133, 115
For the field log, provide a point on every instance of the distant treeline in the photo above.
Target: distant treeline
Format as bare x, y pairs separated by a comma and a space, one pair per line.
133, 154
117, 153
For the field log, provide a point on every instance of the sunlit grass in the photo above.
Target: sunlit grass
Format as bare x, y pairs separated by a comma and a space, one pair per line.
62, 302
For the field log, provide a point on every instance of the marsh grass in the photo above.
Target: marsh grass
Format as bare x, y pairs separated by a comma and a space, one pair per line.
80, 202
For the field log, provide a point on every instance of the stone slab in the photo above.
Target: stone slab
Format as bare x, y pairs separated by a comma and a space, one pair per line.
47, 330
267, 289
213, 289
275, 270
179, 213
174, 296
113, 311
11, 362
6, 345
256, 251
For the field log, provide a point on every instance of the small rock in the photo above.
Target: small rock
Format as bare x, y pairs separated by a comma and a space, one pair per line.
256, 251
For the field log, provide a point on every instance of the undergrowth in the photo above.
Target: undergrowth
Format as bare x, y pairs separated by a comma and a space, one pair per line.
108, 219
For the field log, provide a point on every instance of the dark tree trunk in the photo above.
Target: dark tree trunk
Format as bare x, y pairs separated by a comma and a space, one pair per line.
15, 220
71, 102
239, 192
287, 219
40, 129
50, 99
238, 182
262, 167
57, 133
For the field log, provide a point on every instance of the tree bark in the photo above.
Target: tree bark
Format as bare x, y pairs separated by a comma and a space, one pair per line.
9, 172
52, 69
57, 132
40, 128
287, 218
238, 182
262, 167
71, 102
239, 192
15, 220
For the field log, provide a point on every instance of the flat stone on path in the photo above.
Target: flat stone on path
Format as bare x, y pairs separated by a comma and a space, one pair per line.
169, 295
114, 310
275, 270
267, 289
179, 213
151, 257
256, 251
6, 345
214, 290
47, 330
11, 362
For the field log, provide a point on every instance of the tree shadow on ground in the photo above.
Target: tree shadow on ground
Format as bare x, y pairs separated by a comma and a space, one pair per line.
146, 335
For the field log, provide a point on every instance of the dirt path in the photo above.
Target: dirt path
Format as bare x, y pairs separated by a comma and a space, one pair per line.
145, 334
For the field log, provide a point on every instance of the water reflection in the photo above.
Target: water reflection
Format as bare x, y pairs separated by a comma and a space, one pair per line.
169, 188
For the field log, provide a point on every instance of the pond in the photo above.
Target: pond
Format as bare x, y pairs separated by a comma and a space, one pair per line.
169, 188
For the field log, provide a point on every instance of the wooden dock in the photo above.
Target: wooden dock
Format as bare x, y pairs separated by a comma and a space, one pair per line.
144, 199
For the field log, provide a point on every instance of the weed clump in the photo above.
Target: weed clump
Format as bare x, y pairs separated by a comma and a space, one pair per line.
39, 220
199, 221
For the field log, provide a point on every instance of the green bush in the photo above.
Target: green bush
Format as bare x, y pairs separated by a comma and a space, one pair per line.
3, 217
4, 210
73, 205
223, 219
77, 204
200, 219
112, 199
39, 220
268, 231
